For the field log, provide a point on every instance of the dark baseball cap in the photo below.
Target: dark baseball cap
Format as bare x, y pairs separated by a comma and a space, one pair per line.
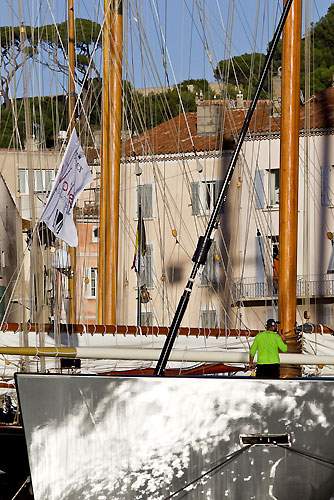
271, 322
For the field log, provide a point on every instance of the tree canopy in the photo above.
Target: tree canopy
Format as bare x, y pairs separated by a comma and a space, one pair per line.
238, 69
140, 112
19, 43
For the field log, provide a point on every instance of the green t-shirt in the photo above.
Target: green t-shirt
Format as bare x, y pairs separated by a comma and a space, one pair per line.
267, 344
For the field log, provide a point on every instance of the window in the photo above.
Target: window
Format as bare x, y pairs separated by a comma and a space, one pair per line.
23, 181
208, 318
210, 195
48, 180
274, 187
91, 286
330, 269
259, 194
95, 234
326, 184
210, 271
42, 180
275, 261
145, 199
146, 318
204, 196
147, 275
327, 314
39, 180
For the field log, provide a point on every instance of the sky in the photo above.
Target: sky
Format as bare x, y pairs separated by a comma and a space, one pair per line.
190, 36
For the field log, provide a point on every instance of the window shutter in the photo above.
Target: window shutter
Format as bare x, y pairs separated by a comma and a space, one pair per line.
325, 185
259, 189
146, 318
38, 174
195, 201
23, 181
209, 274
214, 264
327, 314
330, 269
2, 302
205, 273
218, 187
86, 286
139, 199
145, 197
48, 174
208, 318
148, 270
147, 201
259, 259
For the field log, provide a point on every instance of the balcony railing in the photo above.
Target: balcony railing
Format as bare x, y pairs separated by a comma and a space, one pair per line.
89, 209
313, 286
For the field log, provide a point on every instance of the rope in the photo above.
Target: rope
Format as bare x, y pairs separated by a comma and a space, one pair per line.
322, 460
21, 487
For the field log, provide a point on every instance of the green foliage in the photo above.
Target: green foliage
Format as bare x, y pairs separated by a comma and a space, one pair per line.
86, 33
146, 112
321, 57
237, 76
42, 110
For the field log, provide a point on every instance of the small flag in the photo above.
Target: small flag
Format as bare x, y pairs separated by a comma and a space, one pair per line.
73, 176
141, 251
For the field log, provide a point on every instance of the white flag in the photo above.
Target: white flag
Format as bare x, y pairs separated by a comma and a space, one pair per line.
73, 176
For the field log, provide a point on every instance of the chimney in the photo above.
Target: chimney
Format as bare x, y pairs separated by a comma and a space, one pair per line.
240, 100
31, 143
209, 116
277, 93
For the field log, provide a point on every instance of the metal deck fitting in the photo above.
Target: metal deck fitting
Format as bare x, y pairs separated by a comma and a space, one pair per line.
265, 439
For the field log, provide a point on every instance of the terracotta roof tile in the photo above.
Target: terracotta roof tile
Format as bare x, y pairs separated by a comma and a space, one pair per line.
179, 134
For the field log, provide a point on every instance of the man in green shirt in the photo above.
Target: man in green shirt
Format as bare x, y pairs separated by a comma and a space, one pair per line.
267, 343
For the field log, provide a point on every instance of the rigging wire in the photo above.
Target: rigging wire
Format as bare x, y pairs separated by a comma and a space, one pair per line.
222, 463
322, 460
163, 181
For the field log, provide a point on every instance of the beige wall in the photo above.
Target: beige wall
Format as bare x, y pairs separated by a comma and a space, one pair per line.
9, 222
239, 225
171, 180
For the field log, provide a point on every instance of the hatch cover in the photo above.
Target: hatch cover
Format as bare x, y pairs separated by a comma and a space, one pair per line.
265, 439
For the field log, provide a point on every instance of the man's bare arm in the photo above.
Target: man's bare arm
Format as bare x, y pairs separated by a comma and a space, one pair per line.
282, 335
251, 362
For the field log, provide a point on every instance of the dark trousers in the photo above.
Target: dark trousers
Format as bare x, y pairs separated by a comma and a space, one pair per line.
267, 371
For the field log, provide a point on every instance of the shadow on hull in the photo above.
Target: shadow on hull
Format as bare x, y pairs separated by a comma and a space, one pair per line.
117, 438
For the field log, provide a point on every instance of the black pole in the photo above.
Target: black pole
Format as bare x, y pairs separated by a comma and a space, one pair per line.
139, 254
204, 242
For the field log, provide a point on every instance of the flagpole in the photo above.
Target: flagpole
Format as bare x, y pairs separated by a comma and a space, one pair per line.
139, 254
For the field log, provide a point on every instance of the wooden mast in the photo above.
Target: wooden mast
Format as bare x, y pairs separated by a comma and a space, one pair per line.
110, 168
71, 106
289, 163
104, 157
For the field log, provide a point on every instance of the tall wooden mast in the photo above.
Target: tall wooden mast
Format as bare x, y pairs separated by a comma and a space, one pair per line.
104, 156
289, 163
110, 168
71, 106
